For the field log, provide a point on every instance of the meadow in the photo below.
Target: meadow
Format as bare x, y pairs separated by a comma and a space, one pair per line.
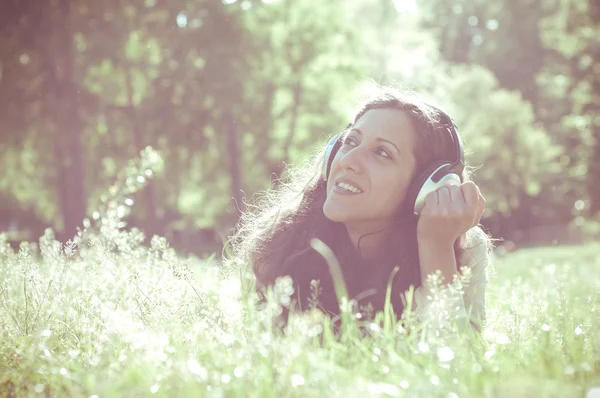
107, 316
222, 99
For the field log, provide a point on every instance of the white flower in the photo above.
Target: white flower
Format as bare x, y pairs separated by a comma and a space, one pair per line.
445, 354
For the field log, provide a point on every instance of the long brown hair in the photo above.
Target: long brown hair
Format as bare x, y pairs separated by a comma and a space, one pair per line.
274, 234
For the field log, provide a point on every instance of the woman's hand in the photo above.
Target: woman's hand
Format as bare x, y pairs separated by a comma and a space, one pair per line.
449, 212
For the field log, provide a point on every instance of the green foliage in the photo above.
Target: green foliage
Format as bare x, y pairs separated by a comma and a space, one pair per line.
230, 92
501, 133
545, 50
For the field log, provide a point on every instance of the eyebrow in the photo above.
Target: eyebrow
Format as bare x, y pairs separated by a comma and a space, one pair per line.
378, 139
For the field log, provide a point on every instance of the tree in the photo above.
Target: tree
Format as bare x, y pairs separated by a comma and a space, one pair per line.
537, 48
48, 102
572, 32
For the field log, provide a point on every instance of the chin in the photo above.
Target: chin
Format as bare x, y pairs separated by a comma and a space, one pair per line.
333, 214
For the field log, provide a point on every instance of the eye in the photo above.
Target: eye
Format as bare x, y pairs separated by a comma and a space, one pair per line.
381, 151
349, 141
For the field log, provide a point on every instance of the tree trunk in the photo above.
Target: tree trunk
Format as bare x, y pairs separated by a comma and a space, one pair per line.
264, 141
72, 197
151, 226
297, 101
235, 170
297, 92
593, 175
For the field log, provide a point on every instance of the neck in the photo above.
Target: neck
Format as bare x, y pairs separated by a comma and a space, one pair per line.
372, 237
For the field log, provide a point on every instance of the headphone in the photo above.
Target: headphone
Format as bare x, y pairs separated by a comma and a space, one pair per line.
433, 177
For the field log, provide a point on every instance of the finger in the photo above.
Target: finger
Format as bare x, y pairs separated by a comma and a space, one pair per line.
456, 195
471, 193
431, 201
443, 195
480, 209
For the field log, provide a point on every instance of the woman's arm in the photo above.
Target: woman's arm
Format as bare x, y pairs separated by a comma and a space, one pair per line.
455, 300
478, 259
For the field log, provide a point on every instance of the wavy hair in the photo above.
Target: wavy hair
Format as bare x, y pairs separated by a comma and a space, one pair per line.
274, 234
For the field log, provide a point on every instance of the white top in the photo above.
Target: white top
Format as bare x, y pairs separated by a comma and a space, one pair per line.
465, 297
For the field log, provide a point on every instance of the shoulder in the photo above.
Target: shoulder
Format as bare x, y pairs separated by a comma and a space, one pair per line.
477, 249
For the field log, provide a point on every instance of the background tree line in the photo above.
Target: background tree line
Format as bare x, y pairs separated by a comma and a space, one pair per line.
229, 92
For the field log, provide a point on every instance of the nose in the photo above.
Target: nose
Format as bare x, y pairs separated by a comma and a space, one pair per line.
352, 159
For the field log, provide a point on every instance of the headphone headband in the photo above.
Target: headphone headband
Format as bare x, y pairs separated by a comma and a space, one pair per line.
459, 163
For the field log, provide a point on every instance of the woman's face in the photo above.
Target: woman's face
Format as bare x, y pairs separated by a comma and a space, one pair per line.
372, 171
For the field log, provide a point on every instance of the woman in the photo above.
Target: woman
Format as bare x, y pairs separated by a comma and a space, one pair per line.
360, 201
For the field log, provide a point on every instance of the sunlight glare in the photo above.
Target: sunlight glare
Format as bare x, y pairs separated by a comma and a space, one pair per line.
195, 368
593, 392
406, 6
297, 380
182, 20
384, 389
502, 339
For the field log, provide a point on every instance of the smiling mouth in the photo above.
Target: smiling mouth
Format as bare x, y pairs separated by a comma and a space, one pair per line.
344, 187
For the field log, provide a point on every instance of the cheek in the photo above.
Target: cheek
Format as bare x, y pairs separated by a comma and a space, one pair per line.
335, 165
391, 191
330, 180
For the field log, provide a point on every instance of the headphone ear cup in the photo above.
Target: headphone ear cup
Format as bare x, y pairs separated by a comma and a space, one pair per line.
429, 181
416, 187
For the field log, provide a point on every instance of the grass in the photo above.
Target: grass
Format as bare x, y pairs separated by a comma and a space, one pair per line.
107, 316
115, 318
